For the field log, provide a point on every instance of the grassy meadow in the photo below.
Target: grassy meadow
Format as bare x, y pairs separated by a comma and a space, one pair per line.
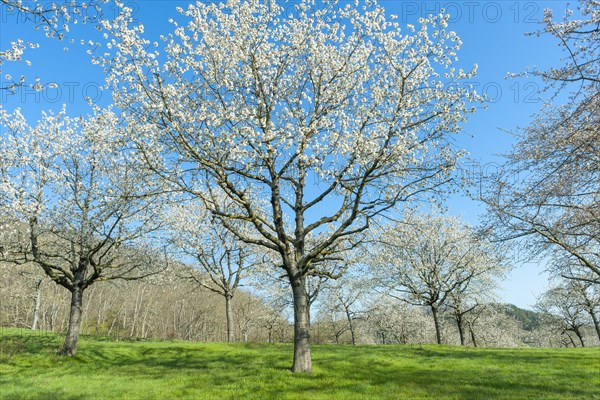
109, 369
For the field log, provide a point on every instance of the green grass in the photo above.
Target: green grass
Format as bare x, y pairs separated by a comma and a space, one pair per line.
106, 369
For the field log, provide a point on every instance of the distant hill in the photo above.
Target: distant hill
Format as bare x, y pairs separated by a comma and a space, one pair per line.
529, 318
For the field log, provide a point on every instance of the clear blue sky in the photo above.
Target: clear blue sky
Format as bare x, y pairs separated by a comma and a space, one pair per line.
493, 35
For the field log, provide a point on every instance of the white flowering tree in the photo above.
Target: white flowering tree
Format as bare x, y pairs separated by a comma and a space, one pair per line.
394, 321
223, 260
575, 301
588, 295
564, 312
312, 121
490, 326
459, 306
426, 259
343, 298
471, 299
548, 192
68, 187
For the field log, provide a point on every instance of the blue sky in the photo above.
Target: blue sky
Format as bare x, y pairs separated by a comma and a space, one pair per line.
493, 35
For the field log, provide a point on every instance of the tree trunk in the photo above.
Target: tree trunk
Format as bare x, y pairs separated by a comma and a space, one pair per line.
596, 323
53, 314
36, 307
351, 326
99, 316
438, 334
144, 322
579, 336
302, 359
473, 337
70, 346
229, 317
461, 330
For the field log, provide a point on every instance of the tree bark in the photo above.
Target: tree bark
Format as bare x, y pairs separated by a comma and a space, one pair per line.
571, 339
302, 360
596, 322
70, 345
351, 325
579, 336
36, 307
438, 333
461, 330
229, 317
352, 334
473, 337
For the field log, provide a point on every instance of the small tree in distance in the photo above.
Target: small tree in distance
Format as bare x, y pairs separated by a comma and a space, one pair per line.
311, 123
425, 260
343, 298
223, 260
564, 312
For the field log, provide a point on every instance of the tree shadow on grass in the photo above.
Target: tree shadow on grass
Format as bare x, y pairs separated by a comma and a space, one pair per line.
44, 395
261, 371
465, 383
357, 373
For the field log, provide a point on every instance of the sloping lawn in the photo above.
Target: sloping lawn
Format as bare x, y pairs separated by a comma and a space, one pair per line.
107, 369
